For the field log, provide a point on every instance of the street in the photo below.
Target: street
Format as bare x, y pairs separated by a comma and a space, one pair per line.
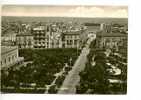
73, 78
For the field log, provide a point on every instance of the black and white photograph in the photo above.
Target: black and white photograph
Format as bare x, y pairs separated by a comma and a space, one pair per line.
64, 49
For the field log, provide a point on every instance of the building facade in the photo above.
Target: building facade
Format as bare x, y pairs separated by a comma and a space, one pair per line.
71, 39
55, 40
24, 40
111, 41
40, 37
8, 39
107, 28
51, 36
10, 56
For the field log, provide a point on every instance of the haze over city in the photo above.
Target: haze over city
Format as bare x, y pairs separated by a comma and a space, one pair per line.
65, 11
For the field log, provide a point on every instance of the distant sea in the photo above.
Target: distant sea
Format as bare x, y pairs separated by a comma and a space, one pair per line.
64, 19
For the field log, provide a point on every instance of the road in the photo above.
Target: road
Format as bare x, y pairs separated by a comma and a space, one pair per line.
72, 79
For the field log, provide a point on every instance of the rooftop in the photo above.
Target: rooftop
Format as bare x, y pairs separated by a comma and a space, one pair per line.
39, 28
72, 32
111, 34
28, 33
8, 35
6, 49
24, 35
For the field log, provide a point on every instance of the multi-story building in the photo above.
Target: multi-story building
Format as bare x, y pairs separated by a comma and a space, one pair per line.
106, 27
55, 40
40, 37
24, 40
51, 36
10, 57
8, 39
54, 36
111, 40
71, 39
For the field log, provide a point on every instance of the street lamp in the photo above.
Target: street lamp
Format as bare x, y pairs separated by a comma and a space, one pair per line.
77, 48
70, 61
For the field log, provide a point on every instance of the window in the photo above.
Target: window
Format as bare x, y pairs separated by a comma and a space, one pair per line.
57, 43
52, 43
5, 61
67, 42
75, 42
13, 57
70, 42
9, 59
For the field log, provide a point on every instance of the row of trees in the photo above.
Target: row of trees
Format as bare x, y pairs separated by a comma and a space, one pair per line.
94, 78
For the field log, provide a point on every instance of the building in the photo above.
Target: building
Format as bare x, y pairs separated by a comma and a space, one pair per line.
122, 28
107, 28
8, 39
51, 36
54, 34
68, 38
71, 39
93, 28
55, 40
10, 57
40, 37
25, 40
111, 40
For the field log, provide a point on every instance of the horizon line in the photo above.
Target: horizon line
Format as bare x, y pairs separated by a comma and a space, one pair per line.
66, 16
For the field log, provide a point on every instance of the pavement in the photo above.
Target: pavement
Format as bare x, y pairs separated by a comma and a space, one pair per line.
72, 79
57, 75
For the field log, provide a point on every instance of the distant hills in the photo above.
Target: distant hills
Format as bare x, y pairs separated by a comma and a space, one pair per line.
64, 19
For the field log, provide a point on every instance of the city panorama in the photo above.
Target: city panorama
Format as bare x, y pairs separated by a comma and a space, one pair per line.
64, 49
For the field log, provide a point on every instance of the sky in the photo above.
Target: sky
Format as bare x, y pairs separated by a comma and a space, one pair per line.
65, 11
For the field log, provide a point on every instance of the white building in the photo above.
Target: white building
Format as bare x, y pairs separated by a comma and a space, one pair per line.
9, 37
10, 56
